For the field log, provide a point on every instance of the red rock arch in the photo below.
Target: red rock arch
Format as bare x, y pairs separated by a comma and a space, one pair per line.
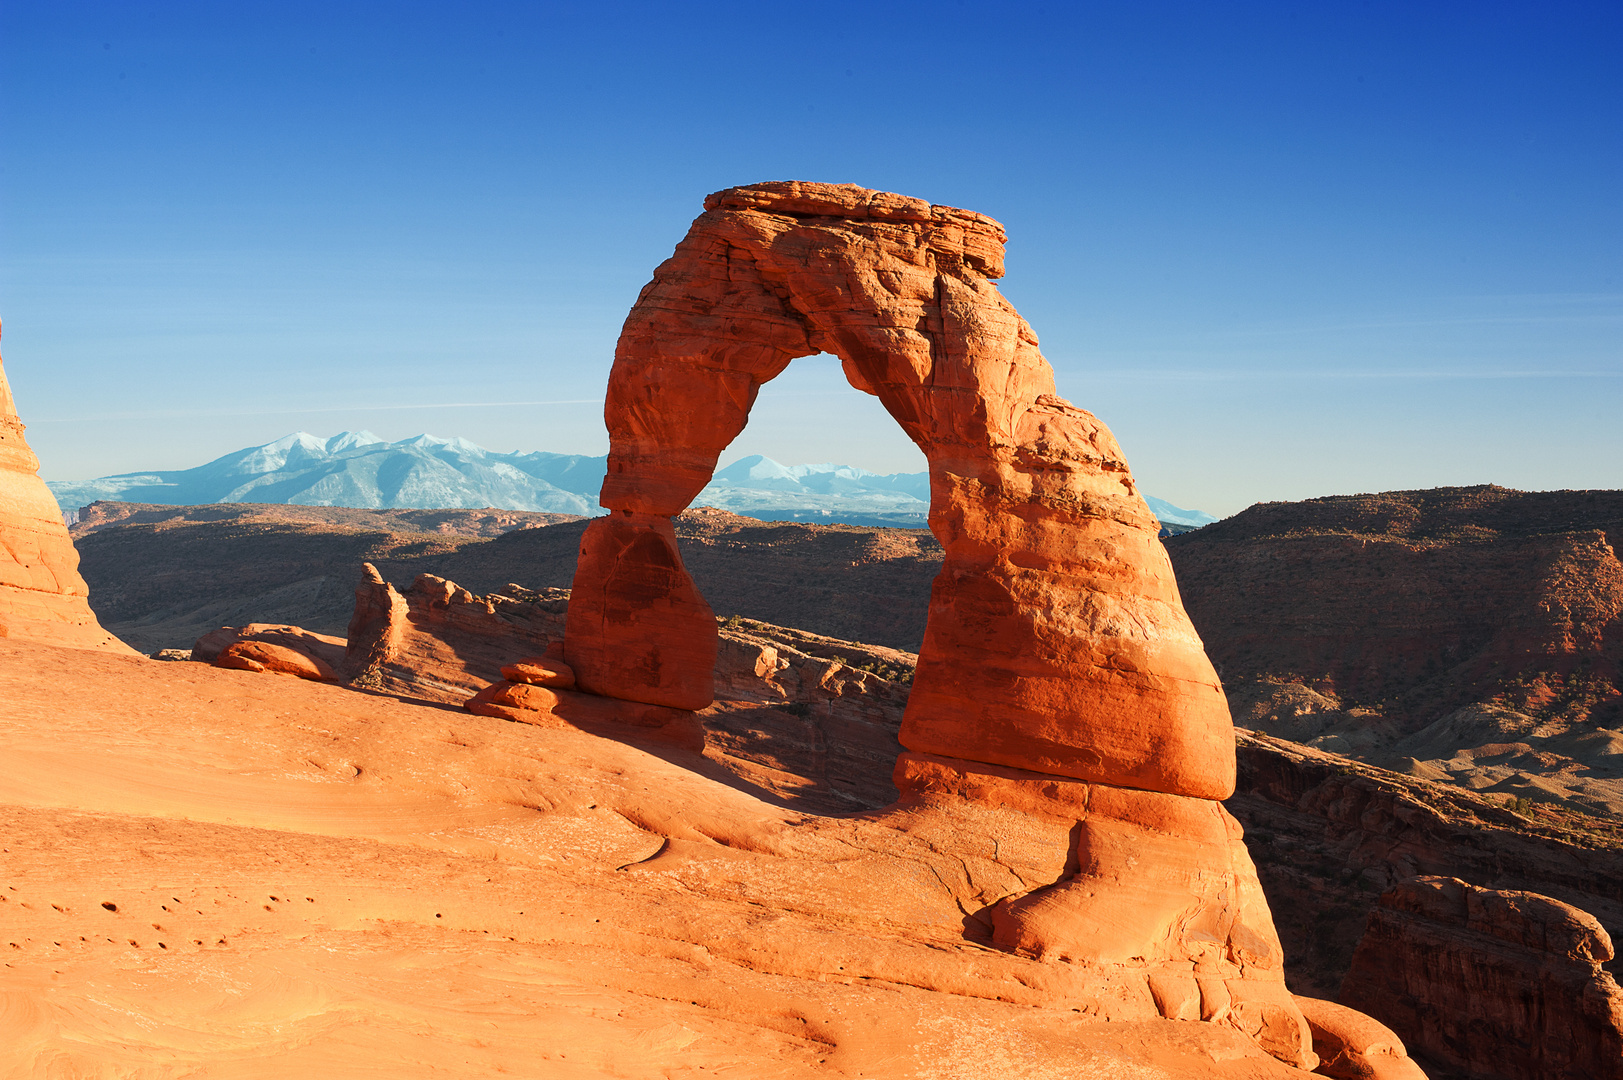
1056, 640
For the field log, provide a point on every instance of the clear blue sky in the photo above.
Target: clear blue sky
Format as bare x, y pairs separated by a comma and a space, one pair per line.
1283, 250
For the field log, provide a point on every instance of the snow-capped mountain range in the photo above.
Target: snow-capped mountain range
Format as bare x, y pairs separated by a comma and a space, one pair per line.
356, 468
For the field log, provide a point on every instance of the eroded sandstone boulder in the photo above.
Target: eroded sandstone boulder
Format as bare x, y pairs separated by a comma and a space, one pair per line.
263, 656
322, 651
42, 596
1501, 983
1352, 1046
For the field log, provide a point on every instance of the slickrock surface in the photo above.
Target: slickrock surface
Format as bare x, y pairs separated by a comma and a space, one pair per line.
1468, 635
1059, 679
1327, 833
814, 720
42, 596
1451, 966
214, 873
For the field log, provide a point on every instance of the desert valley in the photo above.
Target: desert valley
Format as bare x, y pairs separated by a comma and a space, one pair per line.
1048, 789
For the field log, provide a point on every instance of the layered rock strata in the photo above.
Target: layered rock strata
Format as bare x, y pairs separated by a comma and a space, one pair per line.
42, 596
1468, 635
1502, 983
1330, 834
1057, 660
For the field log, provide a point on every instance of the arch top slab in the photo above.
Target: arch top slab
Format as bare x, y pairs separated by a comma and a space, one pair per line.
1056, 639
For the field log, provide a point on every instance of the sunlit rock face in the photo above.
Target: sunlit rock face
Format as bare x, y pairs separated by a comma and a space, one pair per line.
42, 596
1059, 678
1056, 638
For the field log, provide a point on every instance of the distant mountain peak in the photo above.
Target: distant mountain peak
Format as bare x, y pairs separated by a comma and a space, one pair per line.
348, 440
358, 469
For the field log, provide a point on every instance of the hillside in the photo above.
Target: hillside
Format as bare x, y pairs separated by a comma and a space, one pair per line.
359, 470
1471, 635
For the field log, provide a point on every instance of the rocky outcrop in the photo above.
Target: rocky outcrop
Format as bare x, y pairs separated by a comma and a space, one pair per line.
1506, 984
440, 642
811, 718
326, 651
1329, 834
42, 596
1352, 1046
262, 656
1057, 661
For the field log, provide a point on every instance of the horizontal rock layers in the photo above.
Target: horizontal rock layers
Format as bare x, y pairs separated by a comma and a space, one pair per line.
1466, 634
1503, 983
1056, 649
42, 596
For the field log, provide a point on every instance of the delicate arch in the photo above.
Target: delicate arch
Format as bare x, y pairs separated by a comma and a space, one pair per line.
1056, 640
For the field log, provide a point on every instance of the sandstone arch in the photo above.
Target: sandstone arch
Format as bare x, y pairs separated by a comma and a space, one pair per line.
1059, 681
1056, 640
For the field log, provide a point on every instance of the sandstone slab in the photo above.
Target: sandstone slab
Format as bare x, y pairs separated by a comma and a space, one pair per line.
262, 656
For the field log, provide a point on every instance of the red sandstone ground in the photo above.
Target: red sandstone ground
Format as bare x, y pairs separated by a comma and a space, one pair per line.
225, 874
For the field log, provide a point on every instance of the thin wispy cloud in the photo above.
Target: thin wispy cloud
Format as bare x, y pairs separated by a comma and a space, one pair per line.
1297, 375
205, 413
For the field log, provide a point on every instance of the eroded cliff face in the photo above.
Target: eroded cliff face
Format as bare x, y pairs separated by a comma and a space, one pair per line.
1451, 967
42, 596
1329, 834
1469, 635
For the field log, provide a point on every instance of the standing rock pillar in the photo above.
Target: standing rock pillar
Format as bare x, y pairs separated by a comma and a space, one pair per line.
42, 596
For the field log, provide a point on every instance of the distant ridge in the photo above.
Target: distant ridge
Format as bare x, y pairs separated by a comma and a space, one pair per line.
358, 469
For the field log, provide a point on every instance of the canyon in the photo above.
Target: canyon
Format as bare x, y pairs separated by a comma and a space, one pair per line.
1472, 636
